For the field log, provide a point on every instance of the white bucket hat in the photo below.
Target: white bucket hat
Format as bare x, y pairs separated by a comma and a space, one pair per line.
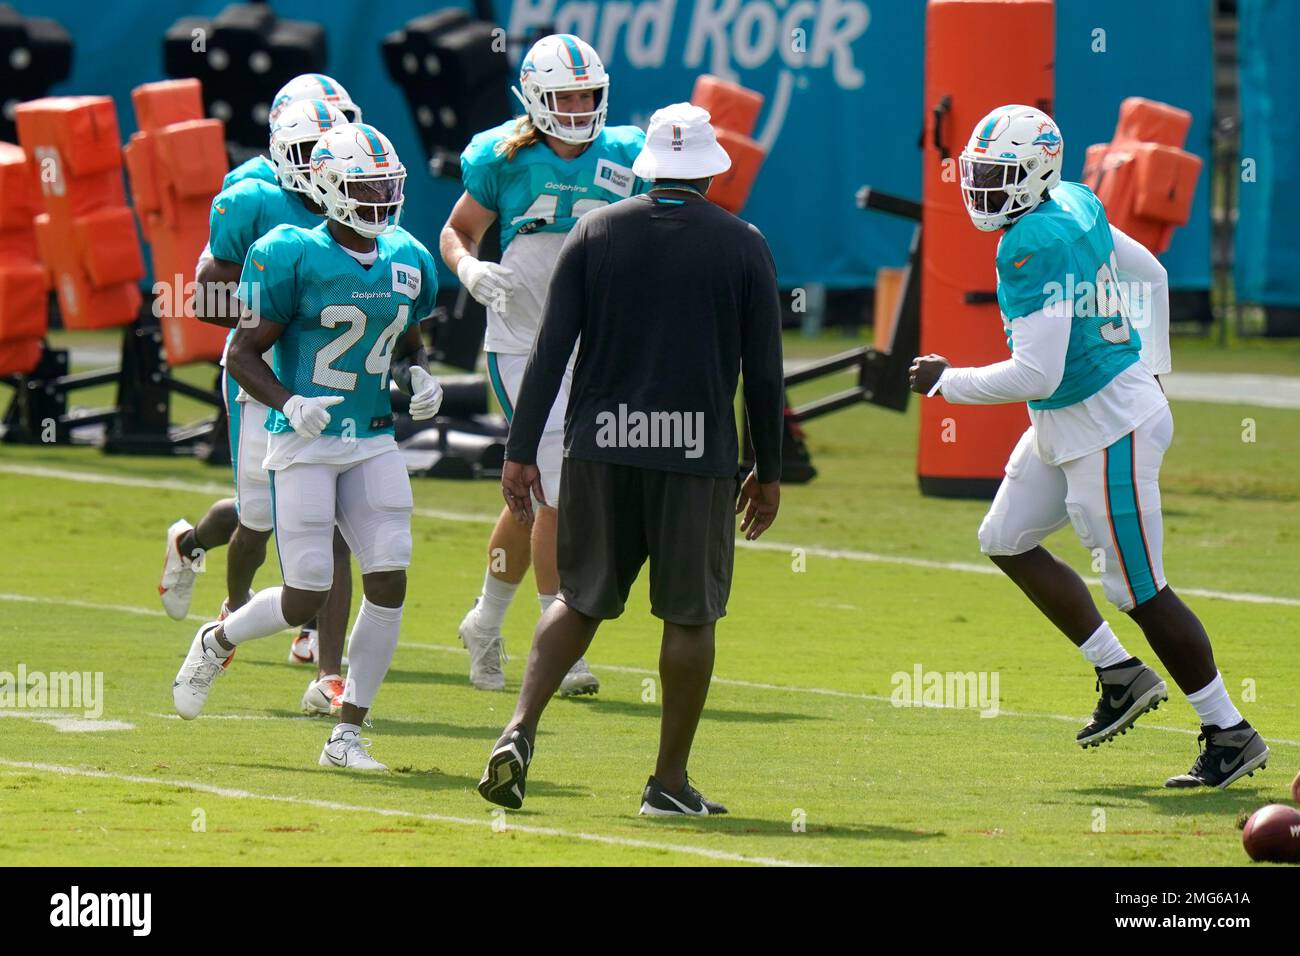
680, 144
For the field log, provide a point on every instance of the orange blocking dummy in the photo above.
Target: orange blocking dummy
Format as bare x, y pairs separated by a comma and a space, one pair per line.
733, 110
963, 449
176, 163
1143, 176
23, 282
86, 235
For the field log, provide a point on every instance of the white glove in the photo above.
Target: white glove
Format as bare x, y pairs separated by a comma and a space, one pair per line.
309, 416
426, 394
488, 282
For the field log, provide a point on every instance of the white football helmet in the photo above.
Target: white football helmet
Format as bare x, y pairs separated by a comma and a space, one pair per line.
315, 86
357, 177
1012, 160
293, 134
557, 64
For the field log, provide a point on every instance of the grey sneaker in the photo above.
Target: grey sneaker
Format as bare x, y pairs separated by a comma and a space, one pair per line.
1128, 690
580, 680
1229, 754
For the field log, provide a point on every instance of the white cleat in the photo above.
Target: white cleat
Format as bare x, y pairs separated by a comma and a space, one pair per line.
350, 752
176, 587
580, 680
195, 678
305, 647
487, 651
324, 696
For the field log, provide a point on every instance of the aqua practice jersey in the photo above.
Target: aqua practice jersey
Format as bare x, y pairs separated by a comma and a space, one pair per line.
341, 318
537, 191
1063, 248
259, 167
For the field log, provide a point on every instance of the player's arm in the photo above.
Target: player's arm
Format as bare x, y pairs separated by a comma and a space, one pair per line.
764, 388
410, 370
1149, 309
246, 363
216, 280
562, 320
488, 282
1033, 372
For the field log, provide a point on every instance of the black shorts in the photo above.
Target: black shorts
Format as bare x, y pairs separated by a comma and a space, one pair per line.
612, 517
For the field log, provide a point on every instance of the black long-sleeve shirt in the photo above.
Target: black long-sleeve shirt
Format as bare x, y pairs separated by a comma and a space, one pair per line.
669, 298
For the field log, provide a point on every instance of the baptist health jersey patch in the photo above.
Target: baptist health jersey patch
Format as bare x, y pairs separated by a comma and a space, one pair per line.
406, 280
617, 179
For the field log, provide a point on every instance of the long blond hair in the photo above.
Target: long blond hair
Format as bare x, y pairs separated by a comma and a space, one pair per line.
525, 135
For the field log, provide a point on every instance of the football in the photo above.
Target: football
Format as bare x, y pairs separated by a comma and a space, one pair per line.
1272, 834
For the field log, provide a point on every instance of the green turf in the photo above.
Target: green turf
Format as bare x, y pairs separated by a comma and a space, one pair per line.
799, 725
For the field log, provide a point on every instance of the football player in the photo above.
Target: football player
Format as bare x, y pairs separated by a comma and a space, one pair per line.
239, 216
536, 174
1086, 356
339, 302
305, 86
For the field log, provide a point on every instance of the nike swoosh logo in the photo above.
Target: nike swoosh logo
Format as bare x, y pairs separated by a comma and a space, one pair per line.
684, 807
218, 209
260, 267
1023, 261
1117, 704
337, 763
1225, 767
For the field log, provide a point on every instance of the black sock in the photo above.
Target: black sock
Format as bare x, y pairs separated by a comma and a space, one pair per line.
188, 543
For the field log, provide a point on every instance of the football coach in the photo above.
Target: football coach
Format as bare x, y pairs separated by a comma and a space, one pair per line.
669, 298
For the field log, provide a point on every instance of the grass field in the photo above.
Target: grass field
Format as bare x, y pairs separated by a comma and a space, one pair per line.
800, 739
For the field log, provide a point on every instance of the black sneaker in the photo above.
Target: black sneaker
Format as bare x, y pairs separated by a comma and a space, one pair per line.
1230, 753
688, 802
507, 770
1128, 690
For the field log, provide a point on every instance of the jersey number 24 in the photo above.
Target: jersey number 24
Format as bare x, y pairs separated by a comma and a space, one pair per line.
377, 360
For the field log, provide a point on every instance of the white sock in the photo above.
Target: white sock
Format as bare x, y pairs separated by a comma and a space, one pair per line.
1104, 649
340, 729
260, 617
546, 600
1214, 706
494, 602
370, 651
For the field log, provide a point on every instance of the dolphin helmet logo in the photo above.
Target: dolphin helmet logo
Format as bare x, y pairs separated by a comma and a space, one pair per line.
1049, 139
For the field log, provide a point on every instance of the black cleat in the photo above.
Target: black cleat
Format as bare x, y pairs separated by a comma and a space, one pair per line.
507, 770
1230, 753
1128, 690
688, 802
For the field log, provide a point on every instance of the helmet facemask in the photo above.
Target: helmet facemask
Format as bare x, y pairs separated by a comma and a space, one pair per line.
370, 204
546, 116
998, 190
292, 161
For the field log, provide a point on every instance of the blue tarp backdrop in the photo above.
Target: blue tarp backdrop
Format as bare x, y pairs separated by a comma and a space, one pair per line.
844, 97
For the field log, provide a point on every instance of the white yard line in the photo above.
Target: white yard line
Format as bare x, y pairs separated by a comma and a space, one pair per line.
722, 681
234, 794
838, 554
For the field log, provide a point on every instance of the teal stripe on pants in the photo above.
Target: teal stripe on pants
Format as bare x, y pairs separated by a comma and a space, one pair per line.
234, 412
499, 387
1126, 520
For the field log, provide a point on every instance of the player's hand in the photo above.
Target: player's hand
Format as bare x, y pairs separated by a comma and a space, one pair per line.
489, 283
925, 371
520, 484
309, 416
760, 501
426, 394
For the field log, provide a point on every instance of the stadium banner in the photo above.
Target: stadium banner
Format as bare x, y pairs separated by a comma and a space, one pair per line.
1267, 243
842, 81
